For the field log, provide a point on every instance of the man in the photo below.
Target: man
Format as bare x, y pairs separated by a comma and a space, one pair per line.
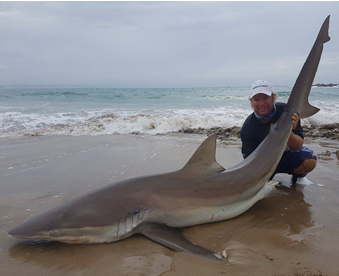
296, 160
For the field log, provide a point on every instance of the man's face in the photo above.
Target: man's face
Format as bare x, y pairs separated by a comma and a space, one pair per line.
262, 104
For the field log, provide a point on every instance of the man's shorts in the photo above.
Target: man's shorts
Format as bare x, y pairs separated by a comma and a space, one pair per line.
293, 159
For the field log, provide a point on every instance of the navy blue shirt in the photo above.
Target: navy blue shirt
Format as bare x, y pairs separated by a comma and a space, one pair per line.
253, 131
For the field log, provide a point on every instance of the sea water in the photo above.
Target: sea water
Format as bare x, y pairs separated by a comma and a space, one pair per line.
146, 111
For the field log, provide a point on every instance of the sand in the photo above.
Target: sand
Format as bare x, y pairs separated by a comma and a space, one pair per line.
295, 231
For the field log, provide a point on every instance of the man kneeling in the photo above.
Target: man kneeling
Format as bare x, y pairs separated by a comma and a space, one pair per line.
297, 160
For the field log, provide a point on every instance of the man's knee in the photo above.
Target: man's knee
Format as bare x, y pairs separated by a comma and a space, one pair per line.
307, 166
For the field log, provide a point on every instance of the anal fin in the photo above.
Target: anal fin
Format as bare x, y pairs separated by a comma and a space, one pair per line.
175, 239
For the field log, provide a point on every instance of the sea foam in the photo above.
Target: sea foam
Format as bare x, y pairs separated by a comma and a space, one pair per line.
84, 111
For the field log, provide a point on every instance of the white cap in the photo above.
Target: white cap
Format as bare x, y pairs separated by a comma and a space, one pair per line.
260, 86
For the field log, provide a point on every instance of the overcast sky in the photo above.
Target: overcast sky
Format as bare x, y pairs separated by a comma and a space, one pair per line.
163, 44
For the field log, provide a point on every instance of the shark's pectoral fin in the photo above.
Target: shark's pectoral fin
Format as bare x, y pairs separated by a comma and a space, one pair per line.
203, 160
175, 239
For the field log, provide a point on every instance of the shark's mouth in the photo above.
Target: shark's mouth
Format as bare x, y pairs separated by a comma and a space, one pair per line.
65, 239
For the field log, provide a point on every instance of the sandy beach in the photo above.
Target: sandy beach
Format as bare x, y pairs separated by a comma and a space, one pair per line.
295, 231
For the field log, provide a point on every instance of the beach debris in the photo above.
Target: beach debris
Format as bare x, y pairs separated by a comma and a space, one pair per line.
325, 155
329, 131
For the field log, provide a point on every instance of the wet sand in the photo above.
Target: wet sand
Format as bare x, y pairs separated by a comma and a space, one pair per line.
293, 232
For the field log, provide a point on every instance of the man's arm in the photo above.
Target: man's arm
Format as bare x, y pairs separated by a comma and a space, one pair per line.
248, 146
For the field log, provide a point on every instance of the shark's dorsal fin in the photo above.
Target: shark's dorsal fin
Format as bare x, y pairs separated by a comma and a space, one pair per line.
204, 157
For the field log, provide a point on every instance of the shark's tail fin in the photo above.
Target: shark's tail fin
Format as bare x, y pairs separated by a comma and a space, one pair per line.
301, 89
306, 109
323, 36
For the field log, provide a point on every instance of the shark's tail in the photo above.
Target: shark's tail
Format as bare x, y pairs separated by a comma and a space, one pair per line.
303, 85
323, 36
308, 110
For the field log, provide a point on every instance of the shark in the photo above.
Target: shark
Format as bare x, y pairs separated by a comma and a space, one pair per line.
160, 206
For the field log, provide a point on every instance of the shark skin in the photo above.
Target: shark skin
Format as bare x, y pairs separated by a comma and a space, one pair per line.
159, 206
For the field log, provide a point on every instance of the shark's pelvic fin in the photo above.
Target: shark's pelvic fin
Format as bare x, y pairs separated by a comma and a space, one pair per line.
204, 157
175, 239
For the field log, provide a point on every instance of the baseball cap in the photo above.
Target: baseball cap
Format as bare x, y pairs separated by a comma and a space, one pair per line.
260, 86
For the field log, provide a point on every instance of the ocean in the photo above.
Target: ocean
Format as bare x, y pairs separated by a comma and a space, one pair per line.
144, 111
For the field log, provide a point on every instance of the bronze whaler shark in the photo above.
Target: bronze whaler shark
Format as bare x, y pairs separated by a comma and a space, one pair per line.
158, 206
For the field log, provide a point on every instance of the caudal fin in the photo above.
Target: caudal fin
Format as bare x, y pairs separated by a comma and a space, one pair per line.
306, 109
298, 100
323, 36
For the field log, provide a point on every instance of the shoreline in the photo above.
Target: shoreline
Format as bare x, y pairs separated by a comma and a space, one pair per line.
279, 235
231, 134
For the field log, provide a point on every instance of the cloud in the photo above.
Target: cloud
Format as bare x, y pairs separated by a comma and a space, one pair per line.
160, 44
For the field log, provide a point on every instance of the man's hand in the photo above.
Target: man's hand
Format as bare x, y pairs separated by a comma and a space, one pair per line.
295, 142
295, 120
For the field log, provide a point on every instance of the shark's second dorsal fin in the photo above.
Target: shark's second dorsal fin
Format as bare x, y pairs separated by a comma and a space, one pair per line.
204, 157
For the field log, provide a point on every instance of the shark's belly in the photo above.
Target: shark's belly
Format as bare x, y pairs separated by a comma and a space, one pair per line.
203, 214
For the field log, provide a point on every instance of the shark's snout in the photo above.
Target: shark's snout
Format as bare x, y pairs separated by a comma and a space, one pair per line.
22, 231
18, 231
39, 226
